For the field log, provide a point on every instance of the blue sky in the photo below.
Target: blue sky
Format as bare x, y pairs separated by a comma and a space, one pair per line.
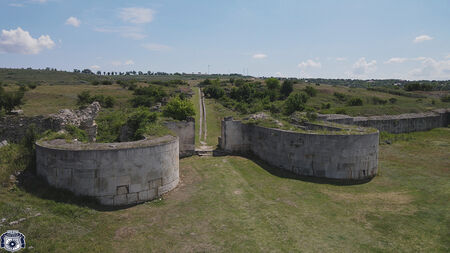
329, 39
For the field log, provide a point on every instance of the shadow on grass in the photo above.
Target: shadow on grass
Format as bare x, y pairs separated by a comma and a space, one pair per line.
38, 187
290, 175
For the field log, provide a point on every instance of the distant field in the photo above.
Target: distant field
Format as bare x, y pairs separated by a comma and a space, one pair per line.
233, 204
402, 105
46, 99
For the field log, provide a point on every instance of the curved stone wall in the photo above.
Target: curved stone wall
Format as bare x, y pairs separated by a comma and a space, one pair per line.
114, 173
334, 156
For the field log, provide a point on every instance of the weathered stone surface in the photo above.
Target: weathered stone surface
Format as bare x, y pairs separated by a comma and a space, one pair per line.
402, 123
347, 157
185, 130
13, 128
114, 173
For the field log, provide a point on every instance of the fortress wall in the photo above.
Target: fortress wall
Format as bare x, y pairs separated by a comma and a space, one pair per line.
185, 130
114, 173
403, 123
348, 157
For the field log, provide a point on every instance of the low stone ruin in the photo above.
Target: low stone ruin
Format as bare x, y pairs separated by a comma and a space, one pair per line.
13, 128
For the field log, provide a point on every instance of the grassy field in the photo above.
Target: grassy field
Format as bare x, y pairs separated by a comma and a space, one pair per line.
234, 204
403, 104
46, 99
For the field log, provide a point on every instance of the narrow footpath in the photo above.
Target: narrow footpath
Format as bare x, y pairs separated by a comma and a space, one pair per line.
204, 149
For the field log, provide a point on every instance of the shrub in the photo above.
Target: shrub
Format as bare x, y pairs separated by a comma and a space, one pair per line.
214, 91
340, 96
10, 100
311, 91
32, 86
148, 96
355, 102
325, 106
295, 102
77, 133
109, 102
139, 120
378, 101
95, 82
109, 125
83, 98
340, 111
272, 83
286, 88
392, 100
445, 99
106, 82
179, 109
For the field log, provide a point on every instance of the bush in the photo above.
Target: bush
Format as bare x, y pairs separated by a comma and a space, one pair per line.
325, 106
378, 101
392, 100
95, 82
295, 102
148, 96
272, 83
10, 100
287, 87
110, 125
214, 91
179, 109
106, 82
139, 120
445, 99
109, 102
340, 111
311, 91
85, 98
340, 96
32, 86
355, 102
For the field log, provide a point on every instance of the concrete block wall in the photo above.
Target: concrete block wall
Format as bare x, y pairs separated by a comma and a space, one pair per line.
346, 157
185, 130
114, 173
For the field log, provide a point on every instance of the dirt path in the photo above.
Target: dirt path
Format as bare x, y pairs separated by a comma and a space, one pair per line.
203, 130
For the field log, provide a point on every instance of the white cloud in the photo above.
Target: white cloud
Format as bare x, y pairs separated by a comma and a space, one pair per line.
361, 67
341, 59
155, 47
309, 63
124, 31
422, 38
73, 21
39, 1
396, 60
137, 15
259, 56
278, 74
432, 69
16, 5
20, 42
448, 56
129, 62
95, 67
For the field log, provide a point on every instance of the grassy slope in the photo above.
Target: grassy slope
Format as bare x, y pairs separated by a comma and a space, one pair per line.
403, 104
215, 112
46, 99
233, 204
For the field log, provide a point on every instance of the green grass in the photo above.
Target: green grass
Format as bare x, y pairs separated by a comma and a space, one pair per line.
403, 104
215, 112
234, 204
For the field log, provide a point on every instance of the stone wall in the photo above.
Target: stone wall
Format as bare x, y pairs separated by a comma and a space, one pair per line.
335, 156
114, 173
13, 128
185, 130
402, 123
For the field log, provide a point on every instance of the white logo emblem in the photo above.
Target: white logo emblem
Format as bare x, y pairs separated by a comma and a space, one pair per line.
12, 241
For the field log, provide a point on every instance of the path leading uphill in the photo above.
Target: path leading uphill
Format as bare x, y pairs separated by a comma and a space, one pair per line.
204, 149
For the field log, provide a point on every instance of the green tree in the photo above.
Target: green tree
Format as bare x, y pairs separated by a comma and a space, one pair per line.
287, 87
272, 83
179, 109
295, 102
311, 91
